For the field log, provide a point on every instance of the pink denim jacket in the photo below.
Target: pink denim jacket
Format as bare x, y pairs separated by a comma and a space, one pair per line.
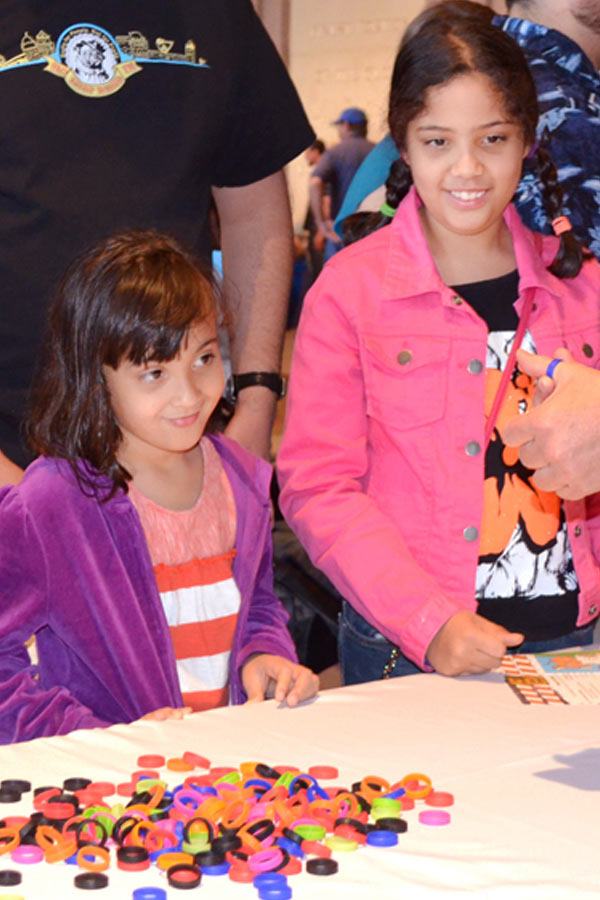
387, 389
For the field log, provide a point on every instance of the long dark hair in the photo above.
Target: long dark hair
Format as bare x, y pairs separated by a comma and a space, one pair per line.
444, 47
134, 296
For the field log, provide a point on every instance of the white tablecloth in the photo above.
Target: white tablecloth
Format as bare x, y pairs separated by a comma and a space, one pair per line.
526, 781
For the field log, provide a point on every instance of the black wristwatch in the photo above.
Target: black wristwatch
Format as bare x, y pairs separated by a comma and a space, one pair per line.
237, 383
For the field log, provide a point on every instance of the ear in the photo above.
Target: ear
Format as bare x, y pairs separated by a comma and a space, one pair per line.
404, 158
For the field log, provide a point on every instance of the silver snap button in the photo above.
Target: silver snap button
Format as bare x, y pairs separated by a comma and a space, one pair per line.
473, 448
470, 533
577, 530
404, 357
457, 300
475, 367
593, 610
587, 351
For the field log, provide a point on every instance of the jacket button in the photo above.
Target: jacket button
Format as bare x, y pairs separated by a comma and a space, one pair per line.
470, 533
475, 367
587, 350
457, 300
593, 610
577, 530
473, 448
404, 357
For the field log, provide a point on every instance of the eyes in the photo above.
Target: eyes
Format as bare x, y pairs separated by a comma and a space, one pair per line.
492, 140
152, 373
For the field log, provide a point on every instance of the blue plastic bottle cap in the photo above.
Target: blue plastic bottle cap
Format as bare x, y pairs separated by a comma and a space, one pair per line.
275, 879
382, 838
218, 869
149, 893
275, 893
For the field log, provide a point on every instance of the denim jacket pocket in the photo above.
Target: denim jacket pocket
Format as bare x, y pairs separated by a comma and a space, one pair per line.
406, 378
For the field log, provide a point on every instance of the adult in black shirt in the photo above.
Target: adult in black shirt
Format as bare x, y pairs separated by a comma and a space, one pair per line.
128, 114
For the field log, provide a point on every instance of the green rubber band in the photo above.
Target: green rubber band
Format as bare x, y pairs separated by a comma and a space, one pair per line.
387, 210
341, 844
310, 832
286, 779
229, 778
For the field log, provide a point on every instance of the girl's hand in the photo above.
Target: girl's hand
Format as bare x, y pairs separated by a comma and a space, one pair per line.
166, 712
470, 644
265, 676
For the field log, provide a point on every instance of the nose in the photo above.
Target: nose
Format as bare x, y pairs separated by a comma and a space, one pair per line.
467, 164
187, 392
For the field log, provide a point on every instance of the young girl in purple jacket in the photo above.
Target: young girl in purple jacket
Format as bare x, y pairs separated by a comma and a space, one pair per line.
137, 547
393, 470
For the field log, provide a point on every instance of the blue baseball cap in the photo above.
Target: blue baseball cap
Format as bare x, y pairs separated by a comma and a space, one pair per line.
353, 115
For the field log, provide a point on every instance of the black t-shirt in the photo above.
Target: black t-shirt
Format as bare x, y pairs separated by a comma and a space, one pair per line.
122, 114
526, 579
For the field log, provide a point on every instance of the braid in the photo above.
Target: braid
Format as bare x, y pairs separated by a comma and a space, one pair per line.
571, 254
360, 224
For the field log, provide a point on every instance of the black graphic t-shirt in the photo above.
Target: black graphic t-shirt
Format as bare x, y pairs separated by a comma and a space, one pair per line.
526, 580
122, 114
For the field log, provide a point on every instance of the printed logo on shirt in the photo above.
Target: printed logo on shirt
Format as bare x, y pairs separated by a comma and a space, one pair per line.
92, 62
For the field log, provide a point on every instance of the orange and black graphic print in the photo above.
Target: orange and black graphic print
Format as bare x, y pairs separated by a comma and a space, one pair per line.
524, 550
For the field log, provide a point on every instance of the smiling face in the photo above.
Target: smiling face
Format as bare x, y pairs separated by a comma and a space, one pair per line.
163, 407
465, 155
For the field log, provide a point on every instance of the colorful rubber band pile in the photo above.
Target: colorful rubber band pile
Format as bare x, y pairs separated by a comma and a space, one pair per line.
257, 824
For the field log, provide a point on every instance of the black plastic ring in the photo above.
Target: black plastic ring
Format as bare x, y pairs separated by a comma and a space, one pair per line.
132, 854
320, 866
9, 877
91, 881
190, 822
186, 884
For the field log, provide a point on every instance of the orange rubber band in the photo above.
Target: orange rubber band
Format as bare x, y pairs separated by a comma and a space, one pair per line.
177, 764
101, 856
235, 814
381, 786
133, 838
167, 860
47, 836
155, 840
58, 854
15, 839
423, 785
346, 797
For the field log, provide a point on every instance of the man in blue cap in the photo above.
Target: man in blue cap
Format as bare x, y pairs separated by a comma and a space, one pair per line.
336, 168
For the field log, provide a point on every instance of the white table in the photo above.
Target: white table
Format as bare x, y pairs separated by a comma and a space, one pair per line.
526, 781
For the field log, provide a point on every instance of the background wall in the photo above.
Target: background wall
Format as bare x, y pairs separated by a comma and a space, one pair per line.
341, 53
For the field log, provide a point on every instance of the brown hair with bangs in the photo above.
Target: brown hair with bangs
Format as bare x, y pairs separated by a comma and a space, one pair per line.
134, 296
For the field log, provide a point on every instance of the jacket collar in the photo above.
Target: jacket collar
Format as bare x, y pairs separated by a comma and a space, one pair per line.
411, 271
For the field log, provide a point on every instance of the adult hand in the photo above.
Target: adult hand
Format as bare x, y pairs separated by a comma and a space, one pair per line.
166, 712
328, 231
265, 676
468, 644
560, 437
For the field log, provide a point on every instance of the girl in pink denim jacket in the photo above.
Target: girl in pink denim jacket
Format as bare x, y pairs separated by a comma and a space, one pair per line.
393, 470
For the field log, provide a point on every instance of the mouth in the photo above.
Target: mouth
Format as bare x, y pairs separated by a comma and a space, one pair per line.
184, 421
467, 196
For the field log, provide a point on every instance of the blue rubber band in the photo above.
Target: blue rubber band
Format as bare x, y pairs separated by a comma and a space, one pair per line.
551, 367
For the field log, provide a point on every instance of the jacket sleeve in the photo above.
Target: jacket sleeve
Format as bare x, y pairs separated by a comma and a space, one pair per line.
266, 630
27, 708
324, 466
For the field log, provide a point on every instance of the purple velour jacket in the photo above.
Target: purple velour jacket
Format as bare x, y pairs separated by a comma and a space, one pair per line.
76, 572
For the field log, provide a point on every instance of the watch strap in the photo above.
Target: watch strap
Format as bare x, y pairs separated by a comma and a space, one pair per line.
270, 380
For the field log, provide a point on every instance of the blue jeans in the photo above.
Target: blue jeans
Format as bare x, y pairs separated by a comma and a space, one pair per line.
364, 651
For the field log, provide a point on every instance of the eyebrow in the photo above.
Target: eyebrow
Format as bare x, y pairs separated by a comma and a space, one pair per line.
493, 124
